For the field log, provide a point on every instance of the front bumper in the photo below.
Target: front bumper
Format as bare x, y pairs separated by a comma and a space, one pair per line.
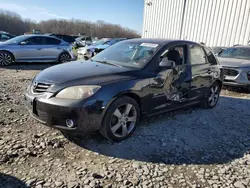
240, 80
54, 112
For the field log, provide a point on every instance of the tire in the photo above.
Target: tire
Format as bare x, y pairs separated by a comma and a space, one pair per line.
64, 57
6, 58
213, 96
120, 119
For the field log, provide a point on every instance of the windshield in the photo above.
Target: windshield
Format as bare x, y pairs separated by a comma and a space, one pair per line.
127, 53
16, 40
238, 53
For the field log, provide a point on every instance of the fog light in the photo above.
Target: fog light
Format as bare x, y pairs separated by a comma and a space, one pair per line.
70, 123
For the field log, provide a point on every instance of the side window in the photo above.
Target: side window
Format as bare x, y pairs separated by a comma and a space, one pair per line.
34, 41
52, 41
197, 55
210, 56
176, 54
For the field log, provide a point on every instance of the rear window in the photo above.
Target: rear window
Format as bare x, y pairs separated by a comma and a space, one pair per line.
210, 56
52, 41
68, 39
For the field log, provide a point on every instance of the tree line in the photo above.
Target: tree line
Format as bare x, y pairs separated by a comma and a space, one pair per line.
13, 23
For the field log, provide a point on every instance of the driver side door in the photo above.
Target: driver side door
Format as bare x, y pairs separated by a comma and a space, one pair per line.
170, 87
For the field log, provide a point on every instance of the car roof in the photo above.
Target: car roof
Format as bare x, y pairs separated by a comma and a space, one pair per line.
158, 41
40, 35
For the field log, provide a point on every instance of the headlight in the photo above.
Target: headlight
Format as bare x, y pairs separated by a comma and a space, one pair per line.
78, 92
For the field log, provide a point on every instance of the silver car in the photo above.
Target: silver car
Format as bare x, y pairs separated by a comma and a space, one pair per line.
35, 48
236, 65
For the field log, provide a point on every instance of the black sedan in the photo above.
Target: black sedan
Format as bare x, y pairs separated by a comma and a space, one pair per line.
112, 91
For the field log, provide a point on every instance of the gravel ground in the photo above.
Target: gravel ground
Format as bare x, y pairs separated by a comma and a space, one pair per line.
192, 147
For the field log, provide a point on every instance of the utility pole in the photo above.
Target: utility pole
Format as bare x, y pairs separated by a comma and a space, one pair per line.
183, 16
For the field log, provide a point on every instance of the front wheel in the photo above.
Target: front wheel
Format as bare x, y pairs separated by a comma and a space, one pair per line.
64, 57
213, 96
6, 58
121, 119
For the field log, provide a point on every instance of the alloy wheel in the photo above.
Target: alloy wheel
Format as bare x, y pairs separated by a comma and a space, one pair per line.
65, 57
5, 58
123, 120
214, 95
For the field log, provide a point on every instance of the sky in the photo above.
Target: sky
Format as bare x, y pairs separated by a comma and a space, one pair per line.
127, 13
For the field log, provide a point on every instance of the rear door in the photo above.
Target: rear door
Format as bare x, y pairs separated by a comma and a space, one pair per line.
170, 87
31, 50
51, 49
201, 72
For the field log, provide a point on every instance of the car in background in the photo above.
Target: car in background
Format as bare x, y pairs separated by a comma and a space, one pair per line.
75, 36
218, 49
66, 38
98, 46
82, 41
87, 52
35, 48
112, 91
5, 36
236, 65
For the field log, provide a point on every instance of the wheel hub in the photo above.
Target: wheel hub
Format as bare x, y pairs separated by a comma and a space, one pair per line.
123, 120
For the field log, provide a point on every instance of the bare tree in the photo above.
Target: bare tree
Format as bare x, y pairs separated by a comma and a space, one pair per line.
13, 23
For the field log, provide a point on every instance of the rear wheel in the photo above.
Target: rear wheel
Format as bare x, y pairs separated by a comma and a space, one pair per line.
120, 119
6, 58
64, 57
213, 96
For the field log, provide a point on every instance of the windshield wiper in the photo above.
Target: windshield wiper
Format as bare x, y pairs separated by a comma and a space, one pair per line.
107, 62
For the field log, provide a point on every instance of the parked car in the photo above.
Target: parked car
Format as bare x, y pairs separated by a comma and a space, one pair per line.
76, 36
236, 64
97, 47
66, 38
115, 89
82, 41
88, 51
218, 49
35, 48
5, 36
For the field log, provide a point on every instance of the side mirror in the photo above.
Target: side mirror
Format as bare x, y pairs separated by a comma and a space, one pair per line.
23, 43
165, 63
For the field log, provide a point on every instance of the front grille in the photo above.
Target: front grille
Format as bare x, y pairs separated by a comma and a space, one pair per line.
230, 72
40, 87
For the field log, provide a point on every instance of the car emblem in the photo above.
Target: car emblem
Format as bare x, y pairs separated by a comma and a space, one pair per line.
35, 85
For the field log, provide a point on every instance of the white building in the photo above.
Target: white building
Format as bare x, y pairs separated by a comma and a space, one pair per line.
214, 22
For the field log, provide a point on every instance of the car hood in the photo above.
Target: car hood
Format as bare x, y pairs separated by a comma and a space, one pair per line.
233, 62
81, 72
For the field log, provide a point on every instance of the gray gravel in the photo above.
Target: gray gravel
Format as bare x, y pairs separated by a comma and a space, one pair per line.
188, 148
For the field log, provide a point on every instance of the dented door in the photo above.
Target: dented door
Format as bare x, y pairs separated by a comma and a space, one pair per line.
170, 87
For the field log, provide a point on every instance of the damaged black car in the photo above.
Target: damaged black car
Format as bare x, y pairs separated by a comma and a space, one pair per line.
112, 91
